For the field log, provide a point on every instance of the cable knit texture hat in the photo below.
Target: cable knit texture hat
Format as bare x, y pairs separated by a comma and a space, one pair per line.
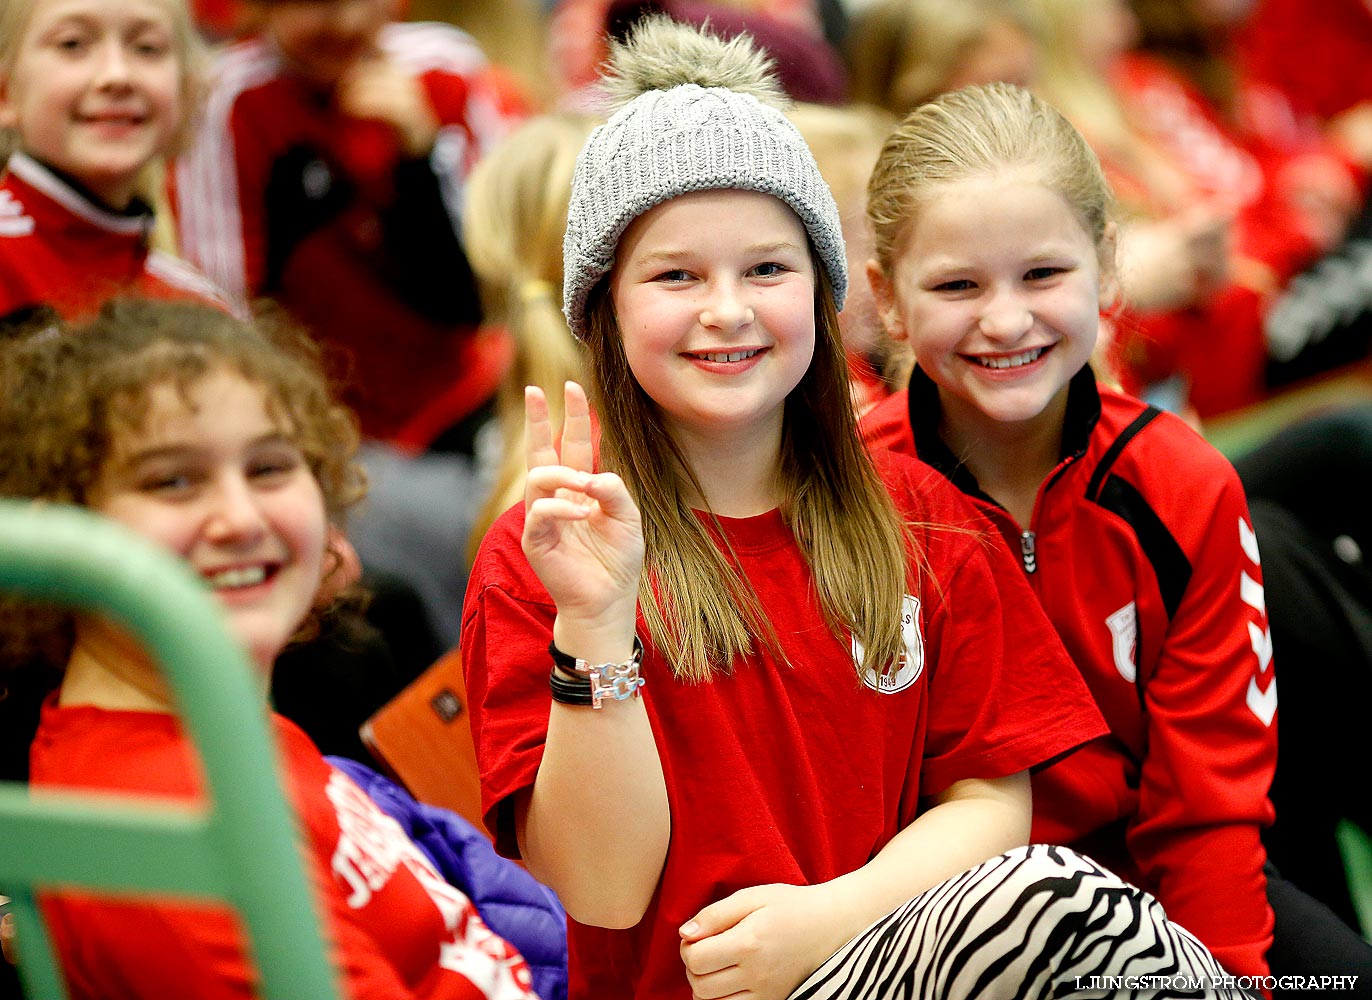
704, 117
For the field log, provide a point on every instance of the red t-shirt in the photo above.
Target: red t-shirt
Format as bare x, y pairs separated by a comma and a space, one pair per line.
786, 773
398, 930
58, 248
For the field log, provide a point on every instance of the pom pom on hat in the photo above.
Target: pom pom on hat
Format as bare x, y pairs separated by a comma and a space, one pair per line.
661, 54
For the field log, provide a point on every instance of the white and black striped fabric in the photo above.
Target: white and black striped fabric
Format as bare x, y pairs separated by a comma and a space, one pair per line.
1039, 922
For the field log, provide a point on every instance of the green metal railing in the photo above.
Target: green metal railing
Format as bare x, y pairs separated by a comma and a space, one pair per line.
241, 847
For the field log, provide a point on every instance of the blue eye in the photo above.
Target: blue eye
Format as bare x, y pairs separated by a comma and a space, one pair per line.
1040, 273
960, 285
770, 269
677, 275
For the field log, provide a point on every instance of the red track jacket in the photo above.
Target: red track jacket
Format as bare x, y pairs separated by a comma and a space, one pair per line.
1142, 553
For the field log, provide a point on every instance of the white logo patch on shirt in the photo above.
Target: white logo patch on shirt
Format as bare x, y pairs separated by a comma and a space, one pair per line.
13, 221
1124, 633
911, 663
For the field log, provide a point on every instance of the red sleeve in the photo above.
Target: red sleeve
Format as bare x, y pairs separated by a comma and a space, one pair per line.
485, 102
251, 164
394, 929
1218, 348
1005, 697
507, 623
1212, 739
220, 188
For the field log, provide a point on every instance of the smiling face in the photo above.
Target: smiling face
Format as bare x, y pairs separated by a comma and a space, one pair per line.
323, 39
216, 479
95, 90
714, 293
996, 287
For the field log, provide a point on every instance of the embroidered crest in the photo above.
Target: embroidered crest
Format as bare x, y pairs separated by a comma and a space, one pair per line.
1124, 631
911, 664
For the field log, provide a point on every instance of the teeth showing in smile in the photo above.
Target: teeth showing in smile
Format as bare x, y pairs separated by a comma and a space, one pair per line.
230, 579
1012, 360
733, 356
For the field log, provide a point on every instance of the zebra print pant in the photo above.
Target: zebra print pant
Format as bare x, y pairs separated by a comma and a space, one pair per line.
1038, 922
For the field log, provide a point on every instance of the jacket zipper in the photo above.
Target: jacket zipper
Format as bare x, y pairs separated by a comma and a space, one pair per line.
1026, 548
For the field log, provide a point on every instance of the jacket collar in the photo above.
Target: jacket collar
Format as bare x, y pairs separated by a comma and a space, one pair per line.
1083, 413
137, 220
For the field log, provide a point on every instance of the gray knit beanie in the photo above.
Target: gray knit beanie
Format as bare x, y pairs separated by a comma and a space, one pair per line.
696, 124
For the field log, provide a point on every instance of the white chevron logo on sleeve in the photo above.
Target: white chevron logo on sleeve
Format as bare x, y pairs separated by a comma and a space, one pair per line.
1249, 541
1263, 704
1262, 645
1251, 592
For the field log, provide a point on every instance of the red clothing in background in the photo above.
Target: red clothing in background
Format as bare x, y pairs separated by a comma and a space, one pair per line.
285, 195
1316, 54
59, 248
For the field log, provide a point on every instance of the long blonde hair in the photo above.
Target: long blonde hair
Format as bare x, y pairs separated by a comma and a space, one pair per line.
1089, 100
515, 213
1067, 82
698, 608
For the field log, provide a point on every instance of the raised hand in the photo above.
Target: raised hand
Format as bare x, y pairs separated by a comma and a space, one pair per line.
379, 89
582, 533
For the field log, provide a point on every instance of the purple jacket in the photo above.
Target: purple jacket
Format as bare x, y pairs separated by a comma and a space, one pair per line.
514, 904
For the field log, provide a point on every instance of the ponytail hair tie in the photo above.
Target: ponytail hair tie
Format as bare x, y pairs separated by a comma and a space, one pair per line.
536, 290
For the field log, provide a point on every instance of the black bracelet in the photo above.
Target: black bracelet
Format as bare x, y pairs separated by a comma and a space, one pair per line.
564, 662
617, 681
567, 663
569, 692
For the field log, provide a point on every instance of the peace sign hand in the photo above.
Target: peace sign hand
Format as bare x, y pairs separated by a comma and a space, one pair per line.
582, 532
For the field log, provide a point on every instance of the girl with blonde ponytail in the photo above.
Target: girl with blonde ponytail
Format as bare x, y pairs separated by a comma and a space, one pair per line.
515, 213
737, 698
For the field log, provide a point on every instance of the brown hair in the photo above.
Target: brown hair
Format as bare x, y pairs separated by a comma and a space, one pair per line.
699, 609
67, 395
901, 53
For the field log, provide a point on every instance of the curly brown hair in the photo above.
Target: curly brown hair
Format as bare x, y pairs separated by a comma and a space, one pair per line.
67, 394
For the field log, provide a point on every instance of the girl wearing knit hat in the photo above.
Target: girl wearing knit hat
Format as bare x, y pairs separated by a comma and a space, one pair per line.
740, 694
